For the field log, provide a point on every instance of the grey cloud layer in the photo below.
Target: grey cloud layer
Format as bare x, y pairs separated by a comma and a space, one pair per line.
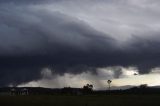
32, 38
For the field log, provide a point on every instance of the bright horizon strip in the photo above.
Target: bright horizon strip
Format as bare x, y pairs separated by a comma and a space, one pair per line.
79, 80
149, 79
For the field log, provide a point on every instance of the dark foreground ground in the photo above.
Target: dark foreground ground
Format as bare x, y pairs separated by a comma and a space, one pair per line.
93, 100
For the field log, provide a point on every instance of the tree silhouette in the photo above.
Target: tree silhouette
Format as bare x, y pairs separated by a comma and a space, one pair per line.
143, 86
88, 88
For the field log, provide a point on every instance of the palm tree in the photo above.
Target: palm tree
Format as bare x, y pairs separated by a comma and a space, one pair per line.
109, 83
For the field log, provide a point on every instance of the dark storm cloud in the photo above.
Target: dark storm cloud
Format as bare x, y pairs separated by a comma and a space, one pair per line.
31, 39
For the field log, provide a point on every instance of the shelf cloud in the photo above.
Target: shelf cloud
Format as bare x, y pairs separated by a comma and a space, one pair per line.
76, 36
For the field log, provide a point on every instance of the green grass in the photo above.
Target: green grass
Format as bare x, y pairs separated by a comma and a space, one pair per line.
110, 100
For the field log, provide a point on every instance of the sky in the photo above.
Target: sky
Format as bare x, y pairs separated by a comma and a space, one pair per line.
62, 43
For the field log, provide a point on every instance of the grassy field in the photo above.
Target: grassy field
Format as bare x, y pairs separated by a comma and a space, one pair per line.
110, 100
